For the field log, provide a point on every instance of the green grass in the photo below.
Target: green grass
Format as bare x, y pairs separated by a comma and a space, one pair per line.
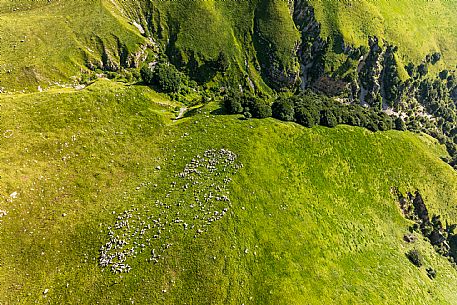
44, 44
417, 27
277, 27
49, 43
221, 26
312, 206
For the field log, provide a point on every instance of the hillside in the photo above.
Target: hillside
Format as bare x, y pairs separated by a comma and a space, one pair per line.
417, 27
125, 180
52, 43
311, 217
260, 38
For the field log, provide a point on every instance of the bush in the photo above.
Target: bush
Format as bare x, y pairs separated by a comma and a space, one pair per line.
233, 105
328, 118
435, 58
384, 122
400, 124
415, 257
147, 74
260, 110
222, 63
283, 110
165, 76
307, 117
422, 70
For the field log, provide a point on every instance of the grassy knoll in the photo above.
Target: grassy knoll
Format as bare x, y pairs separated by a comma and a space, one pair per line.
312, 219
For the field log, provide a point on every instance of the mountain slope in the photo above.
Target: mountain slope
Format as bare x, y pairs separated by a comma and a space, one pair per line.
53, 43
417, 27
44, 42
101, 179
312, 218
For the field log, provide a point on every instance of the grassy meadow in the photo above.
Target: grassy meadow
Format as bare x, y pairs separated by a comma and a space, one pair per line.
312, 219
44, 43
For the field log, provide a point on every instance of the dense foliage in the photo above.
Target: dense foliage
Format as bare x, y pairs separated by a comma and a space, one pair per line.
310, 109
163, 75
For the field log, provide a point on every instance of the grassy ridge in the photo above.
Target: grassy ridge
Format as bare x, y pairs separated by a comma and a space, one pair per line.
417, 27
313, 220
45, 42
49, 43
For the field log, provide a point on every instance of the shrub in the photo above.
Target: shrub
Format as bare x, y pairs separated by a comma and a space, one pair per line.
411, 69
147, 74
415, 257
435, 58
222, 63
400, 124
384, 122
328, 118
422, 70
283, 110
165, 76
306, 116
260, 110
233, 105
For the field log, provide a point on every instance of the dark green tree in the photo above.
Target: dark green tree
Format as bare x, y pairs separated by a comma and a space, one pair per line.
222, 63
400, 124
283, 109
435, 58
164, 76
306, 116
422, 70
259, 109
328, 118
147, 74
233, 105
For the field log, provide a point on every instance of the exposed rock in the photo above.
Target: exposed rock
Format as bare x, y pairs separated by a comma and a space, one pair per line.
420, 210
312, 48
410, 238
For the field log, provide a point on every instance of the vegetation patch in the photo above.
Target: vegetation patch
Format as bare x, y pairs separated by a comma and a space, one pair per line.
442, 238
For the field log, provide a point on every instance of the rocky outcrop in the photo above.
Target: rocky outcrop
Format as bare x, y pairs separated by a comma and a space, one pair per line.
135, 59
414, 208
312, 48
370, 74
112, 59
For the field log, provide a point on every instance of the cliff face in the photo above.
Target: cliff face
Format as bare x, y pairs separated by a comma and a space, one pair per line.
312, 47
277, 40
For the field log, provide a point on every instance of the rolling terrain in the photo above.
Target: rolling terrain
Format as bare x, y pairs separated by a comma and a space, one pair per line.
312, 217
114, 193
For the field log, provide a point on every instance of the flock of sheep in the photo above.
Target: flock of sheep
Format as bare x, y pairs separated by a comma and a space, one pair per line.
196, 199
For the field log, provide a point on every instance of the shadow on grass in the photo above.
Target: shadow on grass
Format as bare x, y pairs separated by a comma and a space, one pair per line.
219, 111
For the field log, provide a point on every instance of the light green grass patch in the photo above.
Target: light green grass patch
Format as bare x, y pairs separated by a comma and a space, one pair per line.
312, 218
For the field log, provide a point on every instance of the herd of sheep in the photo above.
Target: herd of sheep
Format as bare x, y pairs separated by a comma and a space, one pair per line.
196, 199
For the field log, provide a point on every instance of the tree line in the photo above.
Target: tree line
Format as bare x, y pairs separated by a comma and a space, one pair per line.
310, 109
